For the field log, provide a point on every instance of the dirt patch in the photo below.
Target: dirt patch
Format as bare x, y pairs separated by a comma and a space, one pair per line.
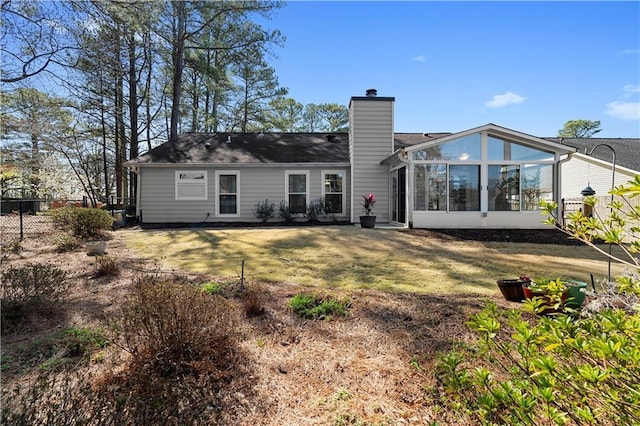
371, 366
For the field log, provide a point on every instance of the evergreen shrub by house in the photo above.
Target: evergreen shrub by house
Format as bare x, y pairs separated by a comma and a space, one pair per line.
264, 210
575, 368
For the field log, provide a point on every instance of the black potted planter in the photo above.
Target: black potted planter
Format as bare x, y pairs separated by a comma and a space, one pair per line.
367, 221
512, 290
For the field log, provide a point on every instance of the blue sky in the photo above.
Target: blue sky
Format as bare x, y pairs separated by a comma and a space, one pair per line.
528, 66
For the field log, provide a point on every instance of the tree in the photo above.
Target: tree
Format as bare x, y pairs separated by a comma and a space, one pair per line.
284, 115
32, 39
32, 122
580, 129
329, 117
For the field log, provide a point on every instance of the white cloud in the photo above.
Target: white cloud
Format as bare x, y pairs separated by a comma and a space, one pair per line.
629, 51
419, 58
629, 90
505, 99
624, 110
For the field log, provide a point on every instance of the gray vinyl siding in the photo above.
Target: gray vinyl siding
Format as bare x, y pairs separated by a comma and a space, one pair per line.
370, 142
256, 183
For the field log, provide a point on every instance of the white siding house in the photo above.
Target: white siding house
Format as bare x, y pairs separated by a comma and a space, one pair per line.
484, 177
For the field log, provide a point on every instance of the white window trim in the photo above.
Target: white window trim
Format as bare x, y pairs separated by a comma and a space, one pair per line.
344, 187
225, 173
286, 185
179, 182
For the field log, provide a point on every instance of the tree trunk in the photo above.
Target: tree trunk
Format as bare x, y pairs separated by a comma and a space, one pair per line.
178, 65
133, 113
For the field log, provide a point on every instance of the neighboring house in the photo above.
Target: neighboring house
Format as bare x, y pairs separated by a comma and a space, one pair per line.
594, 167
485, 177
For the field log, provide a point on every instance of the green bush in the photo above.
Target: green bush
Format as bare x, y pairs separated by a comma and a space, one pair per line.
82, 222
65, 243
29, 289
316, 209
171, 328
316, 306
556, 370
284, 211
264, 210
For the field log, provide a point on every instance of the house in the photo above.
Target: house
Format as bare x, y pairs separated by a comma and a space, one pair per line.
485, 177
592, 164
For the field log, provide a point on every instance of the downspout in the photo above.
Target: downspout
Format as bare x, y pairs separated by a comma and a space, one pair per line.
558, 184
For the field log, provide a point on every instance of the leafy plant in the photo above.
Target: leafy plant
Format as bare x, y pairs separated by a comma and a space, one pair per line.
620, 227
315, 209
264, 210
31, 288
285, 212
316, 306
82, 222
368, 201
212, 287
66, 243
555, 370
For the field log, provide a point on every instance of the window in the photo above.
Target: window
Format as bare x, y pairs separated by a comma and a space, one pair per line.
464, 188
430, 182
467, 148
297, 184
536, 183
504, 188
191, 185
333, 191
519, 187
504, 150
227, 193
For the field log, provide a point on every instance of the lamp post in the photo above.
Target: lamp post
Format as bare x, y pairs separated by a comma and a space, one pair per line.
613, 185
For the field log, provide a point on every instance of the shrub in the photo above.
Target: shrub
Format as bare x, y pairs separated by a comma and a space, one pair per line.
315, 209
65, 243
171, 328
107, 266
264, 210
82, 222
28, 289
285, 213
557, 370
316, 306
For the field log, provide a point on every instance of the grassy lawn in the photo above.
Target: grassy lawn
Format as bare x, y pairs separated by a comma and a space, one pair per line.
349, 258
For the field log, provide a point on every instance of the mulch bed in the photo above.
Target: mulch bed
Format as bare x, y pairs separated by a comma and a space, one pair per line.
534, 236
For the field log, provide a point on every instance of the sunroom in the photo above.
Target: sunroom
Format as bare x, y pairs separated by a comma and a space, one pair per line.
487, 177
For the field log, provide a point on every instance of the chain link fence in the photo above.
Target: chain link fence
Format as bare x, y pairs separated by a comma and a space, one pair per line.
27, 218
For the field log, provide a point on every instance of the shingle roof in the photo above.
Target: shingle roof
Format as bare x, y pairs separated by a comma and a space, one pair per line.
403, 140
197, 148
627, 149
247, 148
